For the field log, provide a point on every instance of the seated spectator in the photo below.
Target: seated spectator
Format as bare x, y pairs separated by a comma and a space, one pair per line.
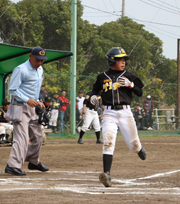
147, 121
4, 122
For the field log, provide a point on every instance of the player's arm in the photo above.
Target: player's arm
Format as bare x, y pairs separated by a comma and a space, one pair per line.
97, 86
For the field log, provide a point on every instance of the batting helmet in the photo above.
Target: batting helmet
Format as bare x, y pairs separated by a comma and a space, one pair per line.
116, 53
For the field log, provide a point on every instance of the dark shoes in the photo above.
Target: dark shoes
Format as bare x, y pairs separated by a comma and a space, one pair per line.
39, 167
80, 141
142, 153
105, 179
14, 171
99, 142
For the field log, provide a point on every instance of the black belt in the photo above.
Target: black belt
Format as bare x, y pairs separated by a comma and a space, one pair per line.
118, 107
91, 108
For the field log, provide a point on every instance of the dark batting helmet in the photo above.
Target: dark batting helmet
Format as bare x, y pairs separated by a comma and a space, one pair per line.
116, 53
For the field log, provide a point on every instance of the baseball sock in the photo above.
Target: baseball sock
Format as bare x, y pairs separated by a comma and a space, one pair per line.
81, 134
98, 135
107, 161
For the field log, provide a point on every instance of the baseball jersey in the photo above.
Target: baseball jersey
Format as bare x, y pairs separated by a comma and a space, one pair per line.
55, 103
80, 103
88, 103
112, 93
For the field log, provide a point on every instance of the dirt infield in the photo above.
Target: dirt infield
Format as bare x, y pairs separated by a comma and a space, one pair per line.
74, 170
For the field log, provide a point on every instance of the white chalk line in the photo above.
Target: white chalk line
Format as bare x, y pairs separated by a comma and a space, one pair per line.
90, 188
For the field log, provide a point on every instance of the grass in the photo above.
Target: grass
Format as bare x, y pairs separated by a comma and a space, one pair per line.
91, 134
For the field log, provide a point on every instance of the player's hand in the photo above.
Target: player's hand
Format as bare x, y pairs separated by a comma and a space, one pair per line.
94, 100
124, 82
31, 102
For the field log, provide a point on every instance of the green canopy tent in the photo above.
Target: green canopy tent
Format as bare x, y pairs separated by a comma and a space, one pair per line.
11, 56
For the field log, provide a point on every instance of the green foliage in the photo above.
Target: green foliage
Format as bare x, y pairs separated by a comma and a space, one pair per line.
47, 23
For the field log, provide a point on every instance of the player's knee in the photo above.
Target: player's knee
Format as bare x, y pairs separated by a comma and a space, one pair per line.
108, 141
135, 146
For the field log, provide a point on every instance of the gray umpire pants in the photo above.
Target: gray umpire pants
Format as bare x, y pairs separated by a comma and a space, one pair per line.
27, 129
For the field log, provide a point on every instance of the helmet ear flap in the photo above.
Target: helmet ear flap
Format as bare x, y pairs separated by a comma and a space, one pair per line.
111, 62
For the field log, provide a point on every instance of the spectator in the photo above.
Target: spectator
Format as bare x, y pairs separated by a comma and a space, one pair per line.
150, 103
138, 117
43, 93
55, 112
146, 119
64, 103
4, 122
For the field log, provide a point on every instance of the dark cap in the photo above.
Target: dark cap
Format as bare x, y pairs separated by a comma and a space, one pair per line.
137, 104
47, 98
77, 100
43, 85
56, 93
5, 103
80, 92
146, 104
39, 53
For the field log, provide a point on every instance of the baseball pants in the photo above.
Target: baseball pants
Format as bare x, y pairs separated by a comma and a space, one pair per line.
91, 117
54, 117
27, 129
8, 127
124, 120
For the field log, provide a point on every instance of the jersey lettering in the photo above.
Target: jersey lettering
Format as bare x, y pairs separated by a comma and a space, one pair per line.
108, 86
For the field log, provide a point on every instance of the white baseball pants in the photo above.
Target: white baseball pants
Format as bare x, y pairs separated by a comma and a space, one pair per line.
91, 117
124, 120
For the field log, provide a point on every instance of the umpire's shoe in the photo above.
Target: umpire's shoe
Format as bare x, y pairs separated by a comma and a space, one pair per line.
80, 141
14, 171
142, 153
99, 142
39, 167
105, 179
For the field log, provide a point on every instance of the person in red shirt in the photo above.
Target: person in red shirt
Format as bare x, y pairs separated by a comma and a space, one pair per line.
64, 103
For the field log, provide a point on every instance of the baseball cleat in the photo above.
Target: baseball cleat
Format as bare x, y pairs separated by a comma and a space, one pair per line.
80, 141
105, 179
99, 142
142, 153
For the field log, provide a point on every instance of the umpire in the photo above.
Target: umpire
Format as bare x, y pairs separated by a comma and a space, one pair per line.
24, 87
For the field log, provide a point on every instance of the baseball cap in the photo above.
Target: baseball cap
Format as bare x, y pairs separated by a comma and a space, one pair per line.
56, 93
47, 98
146, 104
39, 53
80, 92
5, 103
137, 104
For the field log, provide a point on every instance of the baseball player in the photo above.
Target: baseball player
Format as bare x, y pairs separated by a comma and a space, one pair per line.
118, 86
4, 122
55, 112
91, 116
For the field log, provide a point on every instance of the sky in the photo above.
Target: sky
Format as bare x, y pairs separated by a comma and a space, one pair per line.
161, 17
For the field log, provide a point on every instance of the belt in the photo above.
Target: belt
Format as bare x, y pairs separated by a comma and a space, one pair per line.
118, 107
91, 108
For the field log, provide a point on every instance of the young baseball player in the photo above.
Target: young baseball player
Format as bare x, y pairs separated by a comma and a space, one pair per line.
55, 112
118, 86
91, 116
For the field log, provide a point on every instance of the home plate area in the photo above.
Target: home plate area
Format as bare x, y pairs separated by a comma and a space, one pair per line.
87, 183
